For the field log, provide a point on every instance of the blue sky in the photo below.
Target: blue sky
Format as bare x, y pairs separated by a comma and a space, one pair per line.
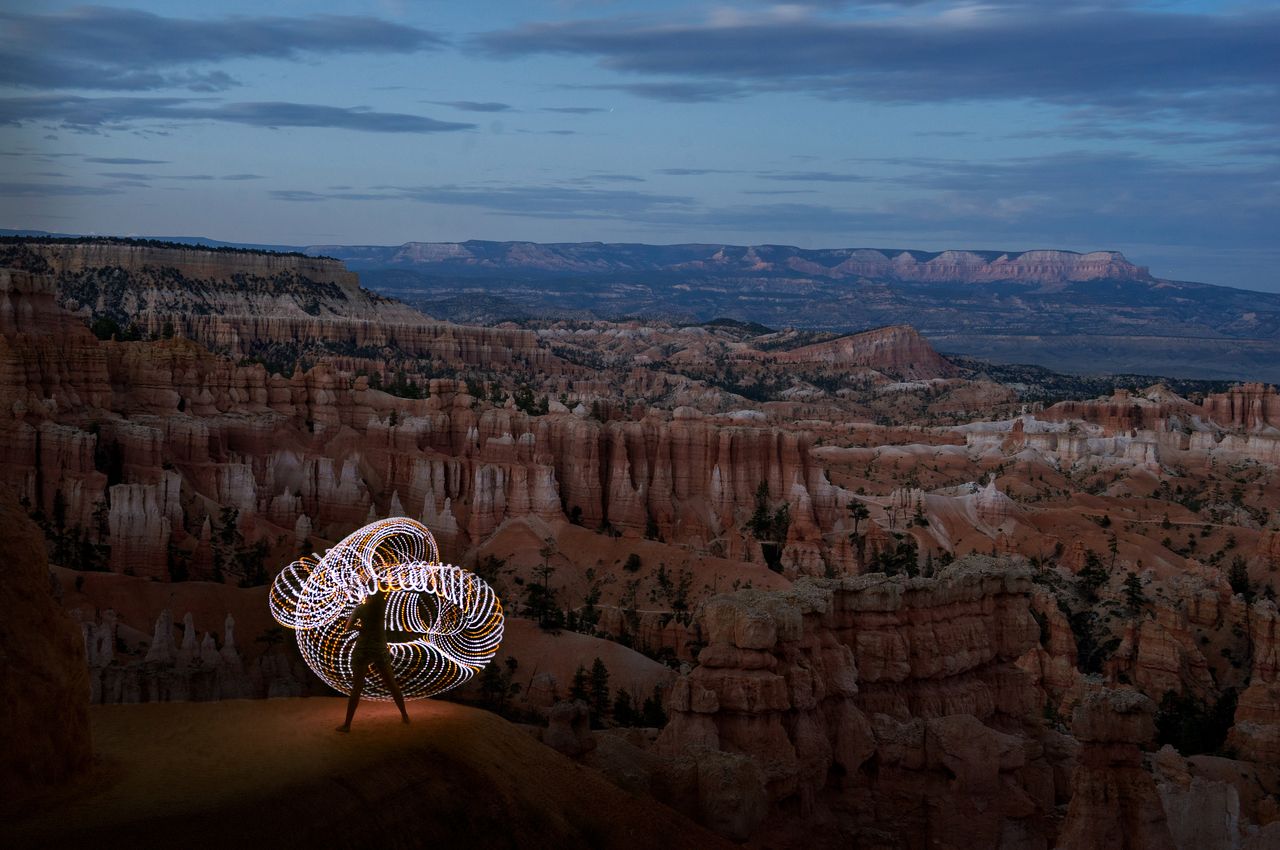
1149, 128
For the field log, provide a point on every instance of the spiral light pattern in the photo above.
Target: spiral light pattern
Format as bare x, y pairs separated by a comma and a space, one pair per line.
443, 623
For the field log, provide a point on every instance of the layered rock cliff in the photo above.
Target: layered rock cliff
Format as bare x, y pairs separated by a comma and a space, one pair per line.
260, 304
863, 699
898, 350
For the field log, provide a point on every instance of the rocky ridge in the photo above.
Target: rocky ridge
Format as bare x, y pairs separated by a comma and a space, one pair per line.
881, 691
599, 258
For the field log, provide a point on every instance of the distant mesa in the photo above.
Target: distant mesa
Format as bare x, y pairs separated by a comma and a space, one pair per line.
1085, 313
587, 258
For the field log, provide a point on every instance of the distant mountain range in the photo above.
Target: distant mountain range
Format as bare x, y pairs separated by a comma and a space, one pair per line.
1088, 313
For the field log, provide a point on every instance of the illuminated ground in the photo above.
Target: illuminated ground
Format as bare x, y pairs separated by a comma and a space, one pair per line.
249, 773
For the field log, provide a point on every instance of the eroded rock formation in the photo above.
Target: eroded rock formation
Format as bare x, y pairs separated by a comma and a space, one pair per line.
865, 698
1114, 802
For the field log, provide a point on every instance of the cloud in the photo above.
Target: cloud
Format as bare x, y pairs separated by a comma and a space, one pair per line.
307, 196
606, 178
138, 176
124, 160
129, 50
1088, 198
676, 91
1139, 61
813, 176
310, 115
474, 105
547, 132
575, 110
242, 177
116, 112
555, 202
50, 190
695, 172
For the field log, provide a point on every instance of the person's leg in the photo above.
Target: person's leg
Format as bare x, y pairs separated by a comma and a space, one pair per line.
388, 676
357, 687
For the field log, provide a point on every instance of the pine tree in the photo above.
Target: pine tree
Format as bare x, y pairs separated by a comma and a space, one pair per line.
624, 713
652, 714
1133, 595
580, 689
1238, 575
858, 511
1093, 576
761, 522
599, 690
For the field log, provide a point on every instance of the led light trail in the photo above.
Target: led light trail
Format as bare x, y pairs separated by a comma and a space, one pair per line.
443, 623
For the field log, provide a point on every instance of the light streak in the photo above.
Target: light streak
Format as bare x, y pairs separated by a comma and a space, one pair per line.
443, 623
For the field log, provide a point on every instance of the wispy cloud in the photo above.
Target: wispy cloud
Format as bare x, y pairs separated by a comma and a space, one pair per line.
675, 91
605, 178
566, 202
103, 48
696, 172
474, 105
575, 110
1133, 59
20, 189
124, 160
111, 112
813, 176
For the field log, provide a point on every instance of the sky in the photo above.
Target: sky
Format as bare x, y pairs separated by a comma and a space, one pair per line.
1151, 128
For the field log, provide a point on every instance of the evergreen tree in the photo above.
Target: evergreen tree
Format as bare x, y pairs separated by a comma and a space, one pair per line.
1133, 595
581, 686
540, 598
858, 511
761, 520
1238, 576
496, 687
624, 712
599, 690
652, 714
1092, 576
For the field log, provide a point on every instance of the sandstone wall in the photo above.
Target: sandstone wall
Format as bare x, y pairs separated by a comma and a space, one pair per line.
863, 699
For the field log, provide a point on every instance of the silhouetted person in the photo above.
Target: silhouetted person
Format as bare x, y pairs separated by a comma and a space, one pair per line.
371, 651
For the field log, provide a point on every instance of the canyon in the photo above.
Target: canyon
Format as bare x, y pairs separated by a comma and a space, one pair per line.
870, 589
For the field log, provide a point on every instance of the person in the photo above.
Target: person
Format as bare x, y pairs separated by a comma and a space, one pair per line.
371, 650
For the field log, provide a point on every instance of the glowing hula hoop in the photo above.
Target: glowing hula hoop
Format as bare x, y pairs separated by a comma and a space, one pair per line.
443, 623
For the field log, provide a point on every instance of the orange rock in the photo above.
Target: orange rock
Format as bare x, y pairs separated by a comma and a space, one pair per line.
1114, 801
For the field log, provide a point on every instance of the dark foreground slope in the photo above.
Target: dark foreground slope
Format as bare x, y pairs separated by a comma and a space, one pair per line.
258, 773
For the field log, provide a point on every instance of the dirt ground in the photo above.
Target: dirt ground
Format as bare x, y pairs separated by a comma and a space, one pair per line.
251, 773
